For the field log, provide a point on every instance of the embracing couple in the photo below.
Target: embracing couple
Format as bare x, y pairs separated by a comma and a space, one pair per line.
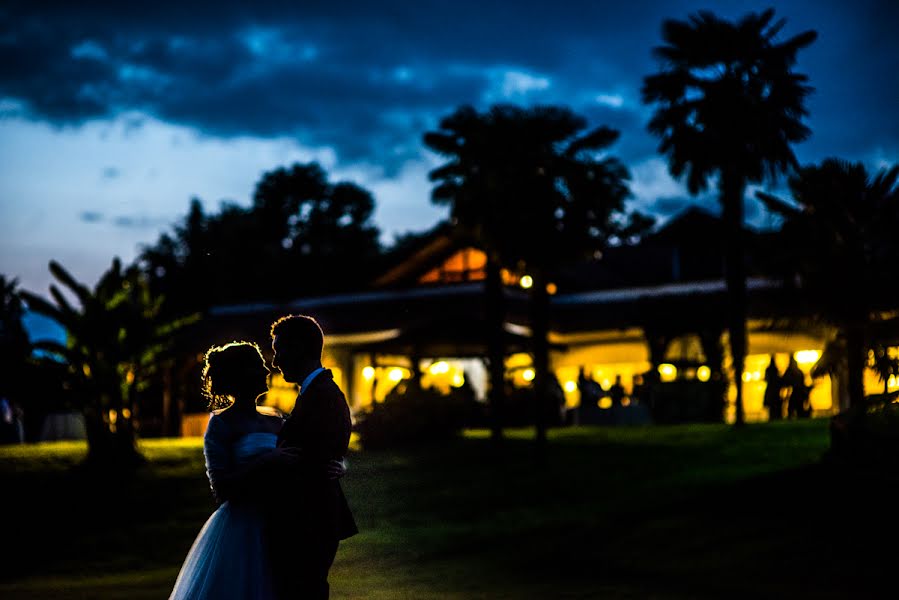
281, 509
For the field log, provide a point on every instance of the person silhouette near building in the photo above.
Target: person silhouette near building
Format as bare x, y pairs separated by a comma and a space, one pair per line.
590, 391
773, 385
794, 379
616, 392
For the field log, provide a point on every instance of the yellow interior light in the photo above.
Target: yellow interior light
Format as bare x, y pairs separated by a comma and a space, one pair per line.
703, 373
605, 403
807, 357
395, 375
667, 372
570, 386
458, 380
526, 282
625, 401
528, 375
439, 368
368, 372
551, 289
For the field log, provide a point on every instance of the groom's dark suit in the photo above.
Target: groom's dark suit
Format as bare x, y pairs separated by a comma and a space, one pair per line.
304, 538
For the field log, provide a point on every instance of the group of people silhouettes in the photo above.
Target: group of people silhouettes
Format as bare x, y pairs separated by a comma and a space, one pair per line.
786, 394
787, 389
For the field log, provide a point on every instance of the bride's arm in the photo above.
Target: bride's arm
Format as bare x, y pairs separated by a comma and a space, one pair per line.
230, 481
216, 453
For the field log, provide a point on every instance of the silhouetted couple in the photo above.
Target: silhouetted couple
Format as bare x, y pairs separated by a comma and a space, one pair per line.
282, 512
793, 383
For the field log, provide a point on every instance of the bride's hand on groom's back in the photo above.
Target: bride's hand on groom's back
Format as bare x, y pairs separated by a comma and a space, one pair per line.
335, 469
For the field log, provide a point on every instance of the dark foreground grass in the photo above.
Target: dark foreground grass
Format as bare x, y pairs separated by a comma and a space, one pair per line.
656, 512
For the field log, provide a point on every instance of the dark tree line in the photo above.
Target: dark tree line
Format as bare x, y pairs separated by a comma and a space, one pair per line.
301, 236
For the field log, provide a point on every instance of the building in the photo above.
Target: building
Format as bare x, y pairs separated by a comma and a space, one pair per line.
651, 315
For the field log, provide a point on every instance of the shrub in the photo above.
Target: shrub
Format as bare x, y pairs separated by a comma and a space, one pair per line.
868, 433
413, 415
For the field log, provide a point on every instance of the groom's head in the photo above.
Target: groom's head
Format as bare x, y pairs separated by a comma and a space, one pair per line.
297, 342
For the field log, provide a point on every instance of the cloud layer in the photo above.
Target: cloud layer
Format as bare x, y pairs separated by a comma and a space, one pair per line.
232, 89
370, 78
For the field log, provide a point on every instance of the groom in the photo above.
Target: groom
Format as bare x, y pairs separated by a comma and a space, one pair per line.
304, 542
308, 514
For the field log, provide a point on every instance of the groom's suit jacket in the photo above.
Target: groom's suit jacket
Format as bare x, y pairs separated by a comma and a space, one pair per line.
320, 427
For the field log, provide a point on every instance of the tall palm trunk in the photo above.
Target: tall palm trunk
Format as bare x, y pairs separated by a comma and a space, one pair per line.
855, 362
108, 448
496, 352
111, 438
732, 190
539, 306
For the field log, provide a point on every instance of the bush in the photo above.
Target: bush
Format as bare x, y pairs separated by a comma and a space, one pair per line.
412, 415
868, 433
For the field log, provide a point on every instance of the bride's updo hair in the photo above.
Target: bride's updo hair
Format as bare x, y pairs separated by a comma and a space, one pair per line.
225, 371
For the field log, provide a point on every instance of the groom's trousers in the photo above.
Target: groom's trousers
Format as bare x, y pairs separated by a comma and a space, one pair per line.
301, 573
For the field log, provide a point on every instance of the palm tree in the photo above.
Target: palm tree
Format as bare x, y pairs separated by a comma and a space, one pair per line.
729, 107
839, 238
15, 347
536, 188
115, 343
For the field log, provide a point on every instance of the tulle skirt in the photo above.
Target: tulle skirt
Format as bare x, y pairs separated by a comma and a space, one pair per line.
228, 559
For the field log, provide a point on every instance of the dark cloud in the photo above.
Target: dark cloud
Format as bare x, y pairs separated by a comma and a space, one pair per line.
368, 78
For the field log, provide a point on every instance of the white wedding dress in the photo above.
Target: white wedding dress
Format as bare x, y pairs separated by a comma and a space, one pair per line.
228, 560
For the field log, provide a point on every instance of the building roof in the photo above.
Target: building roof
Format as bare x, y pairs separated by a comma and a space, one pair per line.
673, 278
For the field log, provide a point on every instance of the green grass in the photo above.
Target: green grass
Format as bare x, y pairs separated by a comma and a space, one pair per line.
655, 512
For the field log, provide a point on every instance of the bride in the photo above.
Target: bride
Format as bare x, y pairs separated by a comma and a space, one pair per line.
229, 557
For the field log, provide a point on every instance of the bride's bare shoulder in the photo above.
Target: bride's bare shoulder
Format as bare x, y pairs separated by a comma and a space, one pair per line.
270, 411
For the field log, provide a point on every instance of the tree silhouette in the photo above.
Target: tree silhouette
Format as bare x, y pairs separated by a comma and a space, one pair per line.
15, 347
115, 342
535, 186
839, 237
301, 236
729, 106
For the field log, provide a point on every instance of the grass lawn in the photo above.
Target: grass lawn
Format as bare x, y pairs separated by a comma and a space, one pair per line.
656, 512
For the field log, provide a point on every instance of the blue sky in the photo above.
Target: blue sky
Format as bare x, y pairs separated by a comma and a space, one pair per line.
113, 117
